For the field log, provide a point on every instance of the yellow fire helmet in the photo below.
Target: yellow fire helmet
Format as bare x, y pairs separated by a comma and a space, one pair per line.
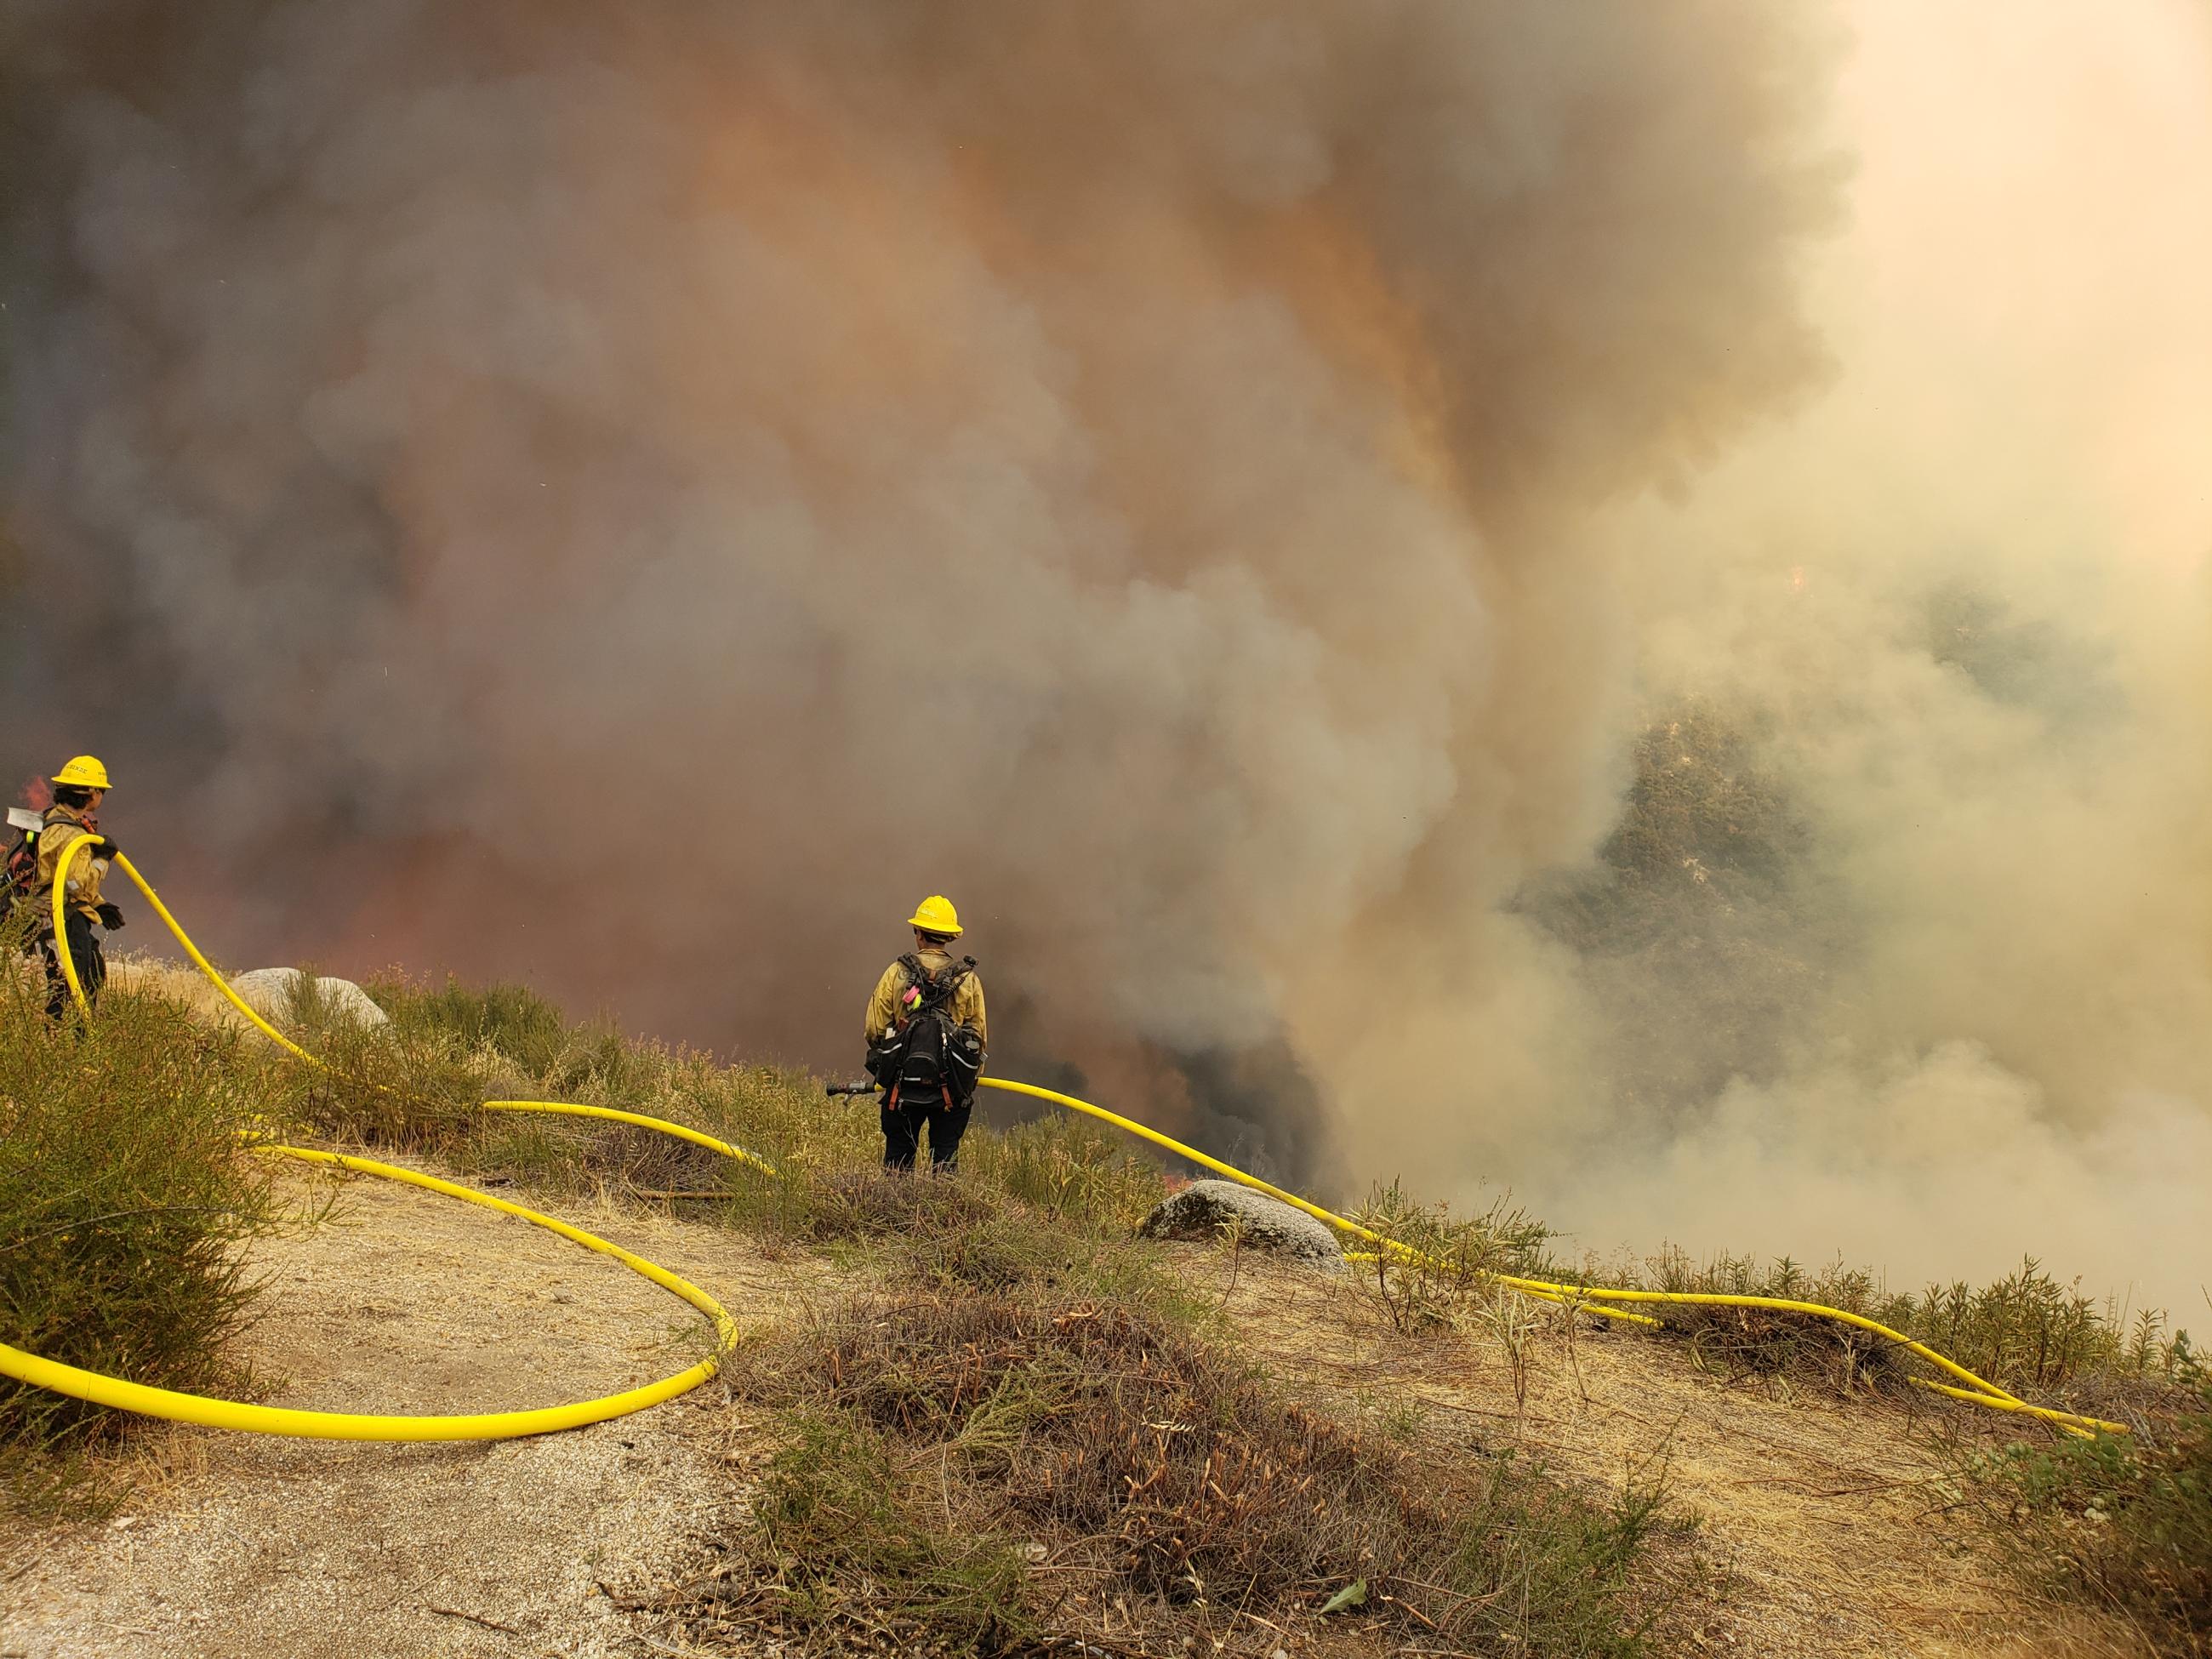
937, 916
85, 772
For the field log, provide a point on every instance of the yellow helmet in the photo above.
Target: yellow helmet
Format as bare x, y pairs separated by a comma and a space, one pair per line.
85, 772
936, 915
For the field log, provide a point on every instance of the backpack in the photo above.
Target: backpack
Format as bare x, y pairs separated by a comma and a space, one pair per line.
21, 866
929, 1056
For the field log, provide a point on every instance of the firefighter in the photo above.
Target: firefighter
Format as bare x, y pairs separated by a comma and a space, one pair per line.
78, 788
925, 1037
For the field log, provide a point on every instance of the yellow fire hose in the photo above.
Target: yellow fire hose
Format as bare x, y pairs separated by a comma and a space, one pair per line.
348, 1425
351, 1425
564, 1108
569, 1109
1584, 1298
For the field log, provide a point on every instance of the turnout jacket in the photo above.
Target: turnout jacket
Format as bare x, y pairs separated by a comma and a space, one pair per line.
65, 827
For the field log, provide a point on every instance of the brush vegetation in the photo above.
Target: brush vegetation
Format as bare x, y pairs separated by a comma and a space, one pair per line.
2028, 1332
1039, 1430
2123, 1523
1035, 1443
124, 1195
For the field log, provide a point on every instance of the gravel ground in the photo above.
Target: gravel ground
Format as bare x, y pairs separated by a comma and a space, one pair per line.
249, 1546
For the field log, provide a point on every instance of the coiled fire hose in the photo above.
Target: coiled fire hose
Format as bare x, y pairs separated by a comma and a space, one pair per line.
111, 1391
348, 1426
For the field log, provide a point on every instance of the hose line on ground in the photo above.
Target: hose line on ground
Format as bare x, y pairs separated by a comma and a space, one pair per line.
1588, 1298
117, 1393
569, 1109
553, 1106
103, 1390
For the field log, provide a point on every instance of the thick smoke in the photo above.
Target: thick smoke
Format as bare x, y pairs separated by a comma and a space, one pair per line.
1965, 605
634, 496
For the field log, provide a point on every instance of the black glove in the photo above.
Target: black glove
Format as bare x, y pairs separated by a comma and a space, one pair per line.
111, 850
110, 917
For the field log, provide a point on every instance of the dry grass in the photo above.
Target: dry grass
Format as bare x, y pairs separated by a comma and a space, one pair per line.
1035, 1353
415, 1085
2026, 1332
1034, 1443
1833, 1527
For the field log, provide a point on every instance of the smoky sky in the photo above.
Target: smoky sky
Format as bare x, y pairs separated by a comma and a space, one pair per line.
634, 498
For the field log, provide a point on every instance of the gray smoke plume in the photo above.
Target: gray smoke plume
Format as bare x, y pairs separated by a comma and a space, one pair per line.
1439, 607
1958, 614
634, 498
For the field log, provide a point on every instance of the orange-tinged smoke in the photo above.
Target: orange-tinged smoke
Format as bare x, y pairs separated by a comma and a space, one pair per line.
634, 499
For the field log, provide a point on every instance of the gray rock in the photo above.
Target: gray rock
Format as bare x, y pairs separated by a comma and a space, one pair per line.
1200, 1210
268, 992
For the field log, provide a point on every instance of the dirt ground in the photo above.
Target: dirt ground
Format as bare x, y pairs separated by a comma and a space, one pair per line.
1824, 1516
1827, 1517
244, 1546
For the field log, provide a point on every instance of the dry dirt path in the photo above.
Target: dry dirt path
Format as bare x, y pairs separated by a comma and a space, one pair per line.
1826, 1514
247, 1546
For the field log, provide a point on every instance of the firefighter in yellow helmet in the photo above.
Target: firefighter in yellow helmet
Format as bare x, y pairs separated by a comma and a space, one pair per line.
78, 789
925, 1035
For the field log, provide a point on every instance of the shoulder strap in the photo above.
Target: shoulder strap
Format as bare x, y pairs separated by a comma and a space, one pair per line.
937, 989
53, 823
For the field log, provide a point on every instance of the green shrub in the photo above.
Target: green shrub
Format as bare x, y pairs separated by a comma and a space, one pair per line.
419, 1083
2123, 1522
410, 1091
2025, 1332
1450, 1257
125, 1193
2028, 1330
523, 1028
1070, 1166
778, 1115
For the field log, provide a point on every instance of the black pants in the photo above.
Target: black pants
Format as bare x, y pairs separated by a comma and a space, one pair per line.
91, 967
902, 1134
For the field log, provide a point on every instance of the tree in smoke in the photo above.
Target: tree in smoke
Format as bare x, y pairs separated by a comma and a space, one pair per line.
1707, 932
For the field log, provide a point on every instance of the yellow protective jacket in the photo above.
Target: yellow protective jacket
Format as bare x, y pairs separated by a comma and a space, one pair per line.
64, 828
883, 1010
